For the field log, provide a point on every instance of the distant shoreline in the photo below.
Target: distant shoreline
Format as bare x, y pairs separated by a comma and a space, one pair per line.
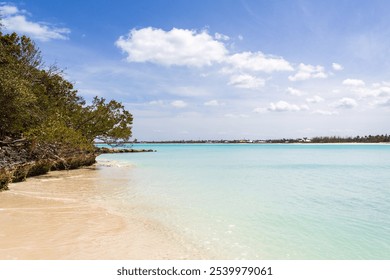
255, 143
371, 139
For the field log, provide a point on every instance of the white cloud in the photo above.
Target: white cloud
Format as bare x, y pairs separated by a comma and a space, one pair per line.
294, 91
383, 91
346, 103
240, 37
307, 71
221, 37
179, 104
337, 67
376, 90
258, 62
212, 103
363, 92
190, 48
175, 47
7, 10
383, 103
283, 106
246, 81
14, 20
315, 99
354, 83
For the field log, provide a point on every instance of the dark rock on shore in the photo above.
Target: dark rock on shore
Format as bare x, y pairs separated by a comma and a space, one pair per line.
22, 159
104, 150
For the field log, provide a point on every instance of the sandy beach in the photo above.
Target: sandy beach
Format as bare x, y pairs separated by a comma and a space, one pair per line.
68, 215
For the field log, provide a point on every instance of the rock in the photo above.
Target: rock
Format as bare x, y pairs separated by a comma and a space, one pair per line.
105, 150
19, 161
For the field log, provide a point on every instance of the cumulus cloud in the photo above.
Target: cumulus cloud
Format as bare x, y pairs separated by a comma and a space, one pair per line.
283, 106
191, 48
258, 62
242, 67
246, 81
354, 83
294, 91
346, 103
179, 104
14, 20
376, 90
337, 67
307, 71
181, 47
381, 90
315, 99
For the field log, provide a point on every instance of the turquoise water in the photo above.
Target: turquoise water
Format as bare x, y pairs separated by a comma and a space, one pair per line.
269, 201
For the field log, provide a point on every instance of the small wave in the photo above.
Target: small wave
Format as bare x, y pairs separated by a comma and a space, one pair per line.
114, 163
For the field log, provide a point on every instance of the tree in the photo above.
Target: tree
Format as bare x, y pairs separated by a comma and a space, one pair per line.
18, 65
106, 121
45, 107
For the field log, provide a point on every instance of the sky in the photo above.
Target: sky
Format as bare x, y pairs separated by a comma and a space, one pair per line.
222, 69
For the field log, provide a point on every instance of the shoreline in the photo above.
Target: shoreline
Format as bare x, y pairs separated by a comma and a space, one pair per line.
70, 215
293, 143
17, 162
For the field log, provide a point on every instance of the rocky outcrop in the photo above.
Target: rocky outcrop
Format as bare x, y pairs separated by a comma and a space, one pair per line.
104, 150
21, 159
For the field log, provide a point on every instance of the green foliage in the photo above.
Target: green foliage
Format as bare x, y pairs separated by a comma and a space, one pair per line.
18, 61
57, 132
106, 121
358, 139
42, 106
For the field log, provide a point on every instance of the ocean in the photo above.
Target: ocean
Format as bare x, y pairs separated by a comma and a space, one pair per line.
266, 201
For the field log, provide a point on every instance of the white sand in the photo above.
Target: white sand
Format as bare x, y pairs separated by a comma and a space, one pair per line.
54, 217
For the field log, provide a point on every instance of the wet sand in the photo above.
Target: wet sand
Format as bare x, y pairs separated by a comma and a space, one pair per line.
72, 215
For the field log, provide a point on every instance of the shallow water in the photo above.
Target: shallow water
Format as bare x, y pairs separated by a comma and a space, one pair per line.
267, 201
79, 214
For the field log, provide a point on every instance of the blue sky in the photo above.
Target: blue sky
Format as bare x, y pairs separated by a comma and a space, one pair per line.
222, 69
